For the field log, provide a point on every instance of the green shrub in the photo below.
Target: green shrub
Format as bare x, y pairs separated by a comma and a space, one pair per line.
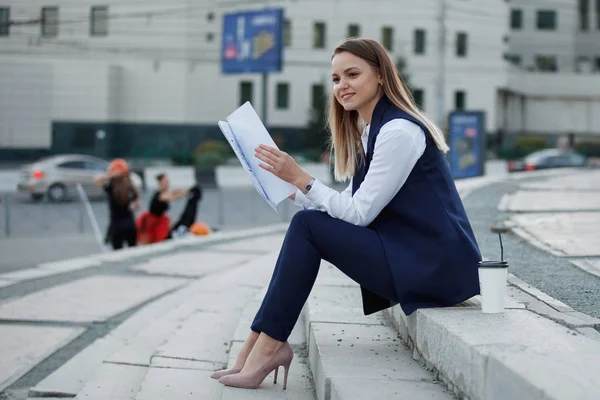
588, 149
211, 153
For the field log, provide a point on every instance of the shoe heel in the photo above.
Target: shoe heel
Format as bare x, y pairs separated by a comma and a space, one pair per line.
276, 372
286, 369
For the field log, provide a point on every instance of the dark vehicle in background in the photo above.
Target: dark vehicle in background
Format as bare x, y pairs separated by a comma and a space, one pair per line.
57, 177
548, 158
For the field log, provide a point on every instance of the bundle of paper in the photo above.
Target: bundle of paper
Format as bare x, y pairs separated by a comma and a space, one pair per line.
245, 131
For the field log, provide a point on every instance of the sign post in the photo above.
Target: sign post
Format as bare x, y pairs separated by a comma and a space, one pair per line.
253, 43
467, 143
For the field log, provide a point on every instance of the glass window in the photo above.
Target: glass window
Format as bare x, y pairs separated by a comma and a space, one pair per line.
317, 96
584, 6
49, 21
460, 100
387, 37
287, 33
597, 63
353, 30
461, 44
513, 59
319, 35
283, 96
419, 96
546, 63
246, 89
4, 21
598, 15
516, 19
419, 41
546, 20
72, 165
99, 21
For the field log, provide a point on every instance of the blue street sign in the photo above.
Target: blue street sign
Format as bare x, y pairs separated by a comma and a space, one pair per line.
252, 41
467, 143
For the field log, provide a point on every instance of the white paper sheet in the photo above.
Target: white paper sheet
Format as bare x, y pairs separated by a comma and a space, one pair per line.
245, 131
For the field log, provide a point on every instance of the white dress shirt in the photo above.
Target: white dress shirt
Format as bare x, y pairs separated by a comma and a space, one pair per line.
398, 147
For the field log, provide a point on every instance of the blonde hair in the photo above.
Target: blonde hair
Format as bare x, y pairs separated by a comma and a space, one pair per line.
344, 125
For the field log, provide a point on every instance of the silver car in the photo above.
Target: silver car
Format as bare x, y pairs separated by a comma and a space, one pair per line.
57, 177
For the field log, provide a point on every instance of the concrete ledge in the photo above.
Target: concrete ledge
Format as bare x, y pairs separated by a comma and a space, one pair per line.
356, 357
515, 355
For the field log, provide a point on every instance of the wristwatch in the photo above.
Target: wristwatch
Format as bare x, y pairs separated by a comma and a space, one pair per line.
309, 185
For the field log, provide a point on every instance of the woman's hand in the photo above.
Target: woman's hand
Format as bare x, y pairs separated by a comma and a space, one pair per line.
282, 165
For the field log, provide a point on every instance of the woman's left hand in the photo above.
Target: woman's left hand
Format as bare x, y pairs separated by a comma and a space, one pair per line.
281, 165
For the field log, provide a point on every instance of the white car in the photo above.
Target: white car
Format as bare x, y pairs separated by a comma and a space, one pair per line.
57, 176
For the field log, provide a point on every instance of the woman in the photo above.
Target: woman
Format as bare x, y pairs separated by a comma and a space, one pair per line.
122, 200
155, 225
399, 229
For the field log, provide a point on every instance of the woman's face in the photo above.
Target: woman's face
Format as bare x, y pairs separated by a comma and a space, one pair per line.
355, 83
164, 183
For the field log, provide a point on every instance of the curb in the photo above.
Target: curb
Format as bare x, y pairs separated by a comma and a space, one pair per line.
97, 260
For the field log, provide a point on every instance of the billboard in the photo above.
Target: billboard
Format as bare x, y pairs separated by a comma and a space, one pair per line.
252, 41
467, 143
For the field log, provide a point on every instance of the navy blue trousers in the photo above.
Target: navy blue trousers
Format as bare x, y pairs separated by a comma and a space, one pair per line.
312, 236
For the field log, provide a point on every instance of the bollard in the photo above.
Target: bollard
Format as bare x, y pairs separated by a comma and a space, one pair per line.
81, 216
6, 205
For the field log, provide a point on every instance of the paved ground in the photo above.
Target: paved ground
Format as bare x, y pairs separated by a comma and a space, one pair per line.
100, 300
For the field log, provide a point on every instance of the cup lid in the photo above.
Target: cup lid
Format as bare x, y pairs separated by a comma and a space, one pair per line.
492, 264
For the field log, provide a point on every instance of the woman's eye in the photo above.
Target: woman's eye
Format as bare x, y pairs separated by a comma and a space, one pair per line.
336, 80
352, 74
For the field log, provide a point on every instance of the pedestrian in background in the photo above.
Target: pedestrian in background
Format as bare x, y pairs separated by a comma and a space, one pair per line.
123, 199
399, 230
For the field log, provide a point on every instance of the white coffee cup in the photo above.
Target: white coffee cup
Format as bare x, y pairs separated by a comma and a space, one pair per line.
492, 280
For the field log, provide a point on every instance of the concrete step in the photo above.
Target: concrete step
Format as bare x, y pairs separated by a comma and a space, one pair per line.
516, 354
163, 337
300, 385
356, 357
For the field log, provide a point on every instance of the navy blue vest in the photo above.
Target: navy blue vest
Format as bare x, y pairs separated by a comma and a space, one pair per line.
430, 246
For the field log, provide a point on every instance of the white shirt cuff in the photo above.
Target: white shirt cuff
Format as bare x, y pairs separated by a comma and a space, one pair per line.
301, 200
319, 193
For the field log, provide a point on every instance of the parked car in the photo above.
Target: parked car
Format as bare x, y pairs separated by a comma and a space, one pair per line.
56, 177
548, 158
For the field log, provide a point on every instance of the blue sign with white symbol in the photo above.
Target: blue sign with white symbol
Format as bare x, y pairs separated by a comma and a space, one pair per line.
467, 143
252, 41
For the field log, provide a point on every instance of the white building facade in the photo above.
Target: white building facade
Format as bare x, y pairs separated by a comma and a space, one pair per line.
143, 77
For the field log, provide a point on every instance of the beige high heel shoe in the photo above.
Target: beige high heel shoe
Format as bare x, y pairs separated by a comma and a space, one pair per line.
281, 358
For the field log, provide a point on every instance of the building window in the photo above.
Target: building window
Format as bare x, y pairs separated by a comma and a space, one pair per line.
419, 96
283, 96
387, 37
598, 15
513, 59
49, 21
317, 97
99, 21
516, 19
546, 63
4, 21
246, 89
598, 64
319, 35
287, 33
546, 20
353, 30
210, 36
584, 6
460, 100
461, 44
419, 41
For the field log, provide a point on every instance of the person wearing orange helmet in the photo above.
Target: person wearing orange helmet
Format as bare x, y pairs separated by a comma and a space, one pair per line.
122, 200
